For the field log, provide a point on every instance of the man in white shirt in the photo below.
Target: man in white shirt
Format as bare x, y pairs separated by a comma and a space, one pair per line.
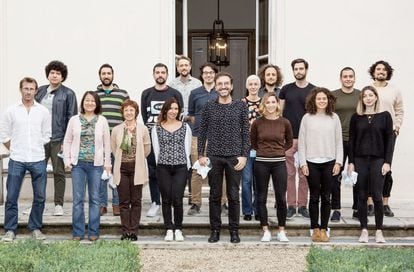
24, 130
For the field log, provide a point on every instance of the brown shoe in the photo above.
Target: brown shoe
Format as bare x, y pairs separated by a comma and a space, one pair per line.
103, 211
76, 238
324, 236
115, 210
93, 238
316, 235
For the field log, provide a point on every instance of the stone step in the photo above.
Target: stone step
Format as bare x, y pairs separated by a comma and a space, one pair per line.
400, 226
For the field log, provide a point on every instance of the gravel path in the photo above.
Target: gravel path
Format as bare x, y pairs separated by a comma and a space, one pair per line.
225, 259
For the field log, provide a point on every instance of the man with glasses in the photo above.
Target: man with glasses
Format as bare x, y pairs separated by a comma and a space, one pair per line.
197, 100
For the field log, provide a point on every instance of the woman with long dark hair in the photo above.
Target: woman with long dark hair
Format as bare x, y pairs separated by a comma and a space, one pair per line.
171, 139
370, 155
320, 156
87, 152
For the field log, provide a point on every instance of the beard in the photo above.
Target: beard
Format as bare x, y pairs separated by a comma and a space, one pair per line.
160, 80
106, 82
300, 76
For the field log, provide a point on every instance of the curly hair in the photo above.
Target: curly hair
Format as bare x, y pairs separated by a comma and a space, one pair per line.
57, 66
262, 71
311, 101
388, 67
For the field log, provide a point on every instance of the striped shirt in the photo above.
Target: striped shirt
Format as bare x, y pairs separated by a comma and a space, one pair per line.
111, 104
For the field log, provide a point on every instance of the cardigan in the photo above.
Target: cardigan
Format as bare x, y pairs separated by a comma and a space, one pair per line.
71, 142
143, 149
187, 143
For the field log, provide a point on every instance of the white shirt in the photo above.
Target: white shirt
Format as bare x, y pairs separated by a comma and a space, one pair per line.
185, 89
28, 131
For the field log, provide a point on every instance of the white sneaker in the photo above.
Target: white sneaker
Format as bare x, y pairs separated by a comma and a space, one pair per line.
9, 236
38, 235
281, 236
364, 236
379, 238
267, 236
153, 210
58, 210
169, 236
179, 236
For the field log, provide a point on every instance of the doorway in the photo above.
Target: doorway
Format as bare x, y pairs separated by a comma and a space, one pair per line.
241, 56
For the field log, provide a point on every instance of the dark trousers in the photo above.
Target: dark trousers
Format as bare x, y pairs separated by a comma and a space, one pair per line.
386, 192
221, 165
172, 180
370, 180
320, 186
336, 185
153, 184
51, 151
262, 173
130, 197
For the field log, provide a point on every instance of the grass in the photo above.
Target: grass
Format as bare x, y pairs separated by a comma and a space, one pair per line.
361, 260
31, 255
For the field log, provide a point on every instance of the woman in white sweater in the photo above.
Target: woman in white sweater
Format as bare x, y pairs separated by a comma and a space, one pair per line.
320, 156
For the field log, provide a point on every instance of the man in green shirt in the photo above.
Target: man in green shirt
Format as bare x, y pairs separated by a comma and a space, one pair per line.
346, 102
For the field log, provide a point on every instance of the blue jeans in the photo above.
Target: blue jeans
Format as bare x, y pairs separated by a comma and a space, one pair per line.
103, 190
248, 182
86, 173
15, 177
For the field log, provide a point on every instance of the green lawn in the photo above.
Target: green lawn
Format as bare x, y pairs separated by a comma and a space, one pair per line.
30, 255
361, 259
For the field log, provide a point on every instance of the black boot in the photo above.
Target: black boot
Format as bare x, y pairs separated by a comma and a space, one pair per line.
214, 236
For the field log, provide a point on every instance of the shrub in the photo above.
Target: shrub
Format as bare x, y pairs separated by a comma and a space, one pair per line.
360, 259
32, 255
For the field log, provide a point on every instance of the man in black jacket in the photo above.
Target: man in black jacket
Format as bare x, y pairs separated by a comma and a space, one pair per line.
62, 105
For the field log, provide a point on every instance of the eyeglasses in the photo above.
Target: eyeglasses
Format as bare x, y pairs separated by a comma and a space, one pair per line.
208, 72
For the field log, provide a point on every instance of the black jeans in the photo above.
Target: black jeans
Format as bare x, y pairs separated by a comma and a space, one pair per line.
153, 183
336, 185
221, 165
262, 172
320, 186
370, 180
172, 180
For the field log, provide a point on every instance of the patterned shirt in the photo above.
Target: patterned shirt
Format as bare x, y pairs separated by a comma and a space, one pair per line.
87, 139
172, 146
131, 157
226, 128
253, 108
111, 101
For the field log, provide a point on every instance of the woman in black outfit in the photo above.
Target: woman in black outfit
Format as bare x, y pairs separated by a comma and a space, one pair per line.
370, 153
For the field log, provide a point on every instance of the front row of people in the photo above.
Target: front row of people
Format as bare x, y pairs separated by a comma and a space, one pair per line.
88, 145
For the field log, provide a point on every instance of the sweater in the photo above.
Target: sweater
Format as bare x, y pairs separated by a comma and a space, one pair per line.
72, 138
320, 137
371, 136
390, 100
143, 149
271, 138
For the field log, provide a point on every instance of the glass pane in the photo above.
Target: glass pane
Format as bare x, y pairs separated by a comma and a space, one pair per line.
179, 27
263, 62
263, 26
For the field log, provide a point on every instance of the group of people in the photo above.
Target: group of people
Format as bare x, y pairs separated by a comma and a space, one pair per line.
272, 133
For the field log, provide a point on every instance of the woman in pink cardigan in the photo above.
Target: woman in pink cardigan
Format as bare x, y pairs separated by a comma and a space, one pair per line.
131, 144
87, 153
